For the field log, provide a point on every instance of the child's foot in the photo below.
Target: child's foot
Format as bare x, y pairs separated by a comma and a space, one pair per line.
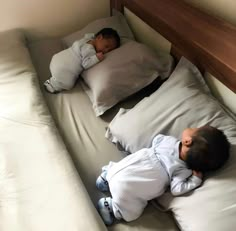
48, 87
102, 183
105, 210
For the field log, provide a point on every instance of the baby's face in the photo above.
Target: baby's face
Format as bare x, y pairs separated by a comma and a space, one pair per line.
104, 45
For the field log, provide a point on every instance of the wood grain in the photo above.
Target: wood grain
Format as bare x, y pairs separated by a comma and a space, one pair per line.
208, 42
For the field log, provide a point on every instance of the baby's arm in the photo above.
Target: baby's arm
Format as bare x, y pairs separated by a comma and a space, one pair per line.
100, 56
181, 184
157, 139
88, 56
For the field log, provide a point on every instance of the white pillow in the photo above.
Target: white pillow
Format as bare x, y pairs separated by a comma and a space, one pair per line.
123, 72
184, 101
179, 103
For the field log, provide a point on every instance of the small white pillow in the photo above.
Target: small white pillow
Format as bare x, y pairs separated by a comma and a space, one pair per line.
123, 72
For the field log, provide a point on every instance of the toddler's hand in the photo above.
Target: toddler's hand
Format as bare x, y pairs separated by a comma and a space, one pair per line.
100, 56
198, 174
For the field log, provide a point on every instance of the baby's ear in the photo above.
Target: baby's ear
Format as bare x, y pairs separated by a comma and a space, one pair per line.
188, 141
99, 37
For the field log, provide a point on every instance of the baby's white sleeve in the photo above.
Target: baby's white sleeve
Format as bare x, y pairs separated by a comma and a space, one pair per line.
157, 139
181, 183
88, 56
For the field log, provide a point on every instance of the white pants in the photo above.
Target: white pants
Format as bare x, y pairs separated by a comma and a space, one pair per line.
134, 181
65, 68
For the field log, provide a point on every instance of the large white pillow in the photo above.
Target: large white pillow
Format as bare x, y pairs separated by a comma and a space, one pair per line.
123, 72
185, 101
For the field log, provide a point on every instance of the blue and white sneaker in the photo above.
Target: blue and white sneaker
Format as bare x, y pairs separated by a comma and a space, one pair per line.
105, 210
102, 183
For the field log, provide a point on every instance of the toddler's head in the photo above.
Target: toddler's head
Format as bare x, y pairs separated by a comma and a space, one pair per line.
106, 40
205, 148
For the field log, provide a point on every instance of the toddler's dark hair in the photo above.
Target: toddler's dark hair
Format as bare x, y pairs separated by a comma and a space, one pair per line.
209, 150
109, 33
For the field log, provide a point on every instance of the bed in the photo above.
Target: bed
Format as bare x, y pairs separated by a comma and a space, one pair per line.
54, 145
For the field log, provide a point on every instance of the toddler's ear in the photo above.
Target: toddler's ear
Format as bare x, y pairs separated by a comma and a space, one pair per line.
187, 141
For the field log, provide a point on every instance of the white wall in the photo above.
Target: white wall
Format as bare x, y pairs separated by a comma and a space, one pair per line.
47, 18
222, 93
152, 38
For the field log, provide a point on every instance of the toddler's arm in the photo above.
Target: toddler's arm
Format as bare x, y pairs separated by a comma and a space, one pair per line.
181, 184
88, 56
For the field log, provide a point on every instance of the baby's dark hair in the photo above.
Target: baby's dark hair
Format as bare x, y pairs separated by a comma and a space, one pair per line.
209, 150
109, 33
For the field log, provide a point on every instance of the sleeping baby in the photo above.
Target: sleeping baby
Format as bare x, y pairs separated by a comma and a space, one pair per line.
66, 65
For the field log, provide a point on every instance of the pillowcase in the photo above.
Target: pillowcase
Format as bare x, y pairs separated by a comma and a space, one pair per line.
123, 72
184, 101
117, 22
179, 103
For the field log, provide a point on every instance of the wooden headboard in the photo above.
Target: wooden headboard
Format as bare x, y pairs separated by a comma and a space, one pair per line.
208, 42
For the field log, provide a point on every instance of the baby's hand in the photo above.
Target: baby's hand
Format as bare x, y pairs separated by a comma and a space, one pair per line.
198, 174
100, 56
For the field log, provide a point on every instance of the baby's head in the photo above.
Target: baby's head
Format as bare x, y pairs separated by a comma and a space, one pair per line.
106, 40
205, 148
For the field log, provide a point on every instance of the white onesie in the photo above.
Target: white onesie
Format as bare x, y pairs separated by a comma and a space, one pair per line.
146, 174
66, 65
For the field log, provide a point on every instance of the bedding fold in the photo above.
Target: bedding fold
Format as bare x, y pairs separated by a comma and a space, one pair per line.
40, 188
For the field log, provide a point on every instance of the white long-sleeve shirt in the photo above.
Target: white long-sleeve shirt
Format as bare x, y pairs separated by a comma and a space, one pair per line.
85, 51
181, 179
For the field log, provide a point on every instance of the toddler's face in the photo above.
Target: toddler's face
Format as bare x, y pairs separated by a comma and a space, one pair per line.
104, 45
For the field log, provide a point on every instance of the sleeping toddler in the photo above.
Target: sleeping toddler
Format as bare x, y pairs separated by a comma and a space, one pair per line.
66, 65
146, 174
